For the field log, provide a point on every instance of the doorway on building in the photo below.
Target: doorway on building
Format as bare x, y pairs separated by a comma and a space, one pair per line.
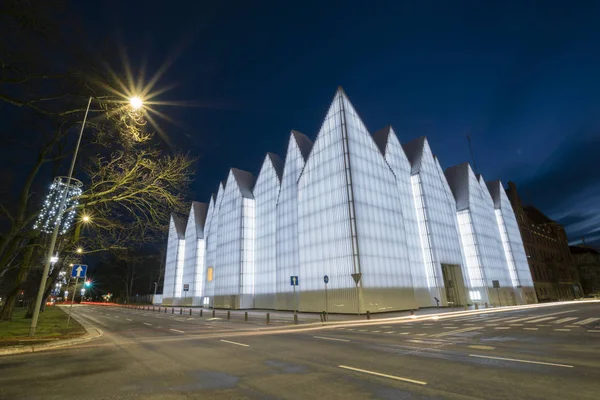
453, 284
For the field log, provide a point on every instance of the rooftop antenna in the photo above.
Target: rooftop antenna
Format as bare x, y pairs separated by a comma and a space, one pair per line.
472, 155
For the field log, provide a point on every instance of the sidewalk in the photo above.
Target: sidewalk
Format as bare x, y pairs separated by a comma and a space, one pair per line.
91, 333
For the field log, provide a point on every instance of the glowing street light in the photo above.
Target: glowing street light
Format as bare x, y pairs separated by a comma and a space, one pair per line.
79, 250
136, 102
85, 218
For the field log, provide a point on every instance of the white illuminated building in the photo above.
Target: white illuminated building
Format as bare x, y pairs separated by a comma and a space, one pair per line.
381, 219
172, 287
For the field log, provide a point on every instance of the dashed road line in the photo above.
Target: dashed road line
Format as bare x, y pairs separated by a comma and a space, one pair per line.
463, 330
330, 338
236, 343
540, 320
521, 361
530, 329
563, 330
502, 327
389, 332
176, 330
145, 323
586, 321
593, 331
563, 320
481, 347
130, 320
398, 378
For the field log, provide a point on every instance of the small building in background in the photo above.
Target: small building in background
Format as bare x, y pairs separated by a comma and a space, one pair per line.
587, 261
555, 277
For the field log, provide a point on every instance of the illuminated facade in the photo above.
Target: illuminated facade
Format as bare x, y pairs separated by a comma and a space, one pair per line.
173, 284
364, 222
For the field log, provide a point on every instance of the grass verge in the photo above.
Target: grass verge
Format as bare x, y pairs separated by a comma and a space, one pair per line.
52, 326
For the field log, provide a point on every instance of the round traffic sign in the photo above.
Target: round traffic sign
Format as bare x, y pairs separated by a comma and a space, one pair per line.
326, 279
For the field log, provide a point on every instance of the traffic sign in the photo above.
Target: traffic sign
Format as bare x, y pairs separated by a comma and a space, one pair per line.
186, 287
294, 280
326, 279
78, 271
356, 277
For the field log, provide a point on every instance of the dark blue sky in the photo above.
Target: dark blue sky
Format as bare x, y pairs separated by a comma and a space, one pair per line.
522, 77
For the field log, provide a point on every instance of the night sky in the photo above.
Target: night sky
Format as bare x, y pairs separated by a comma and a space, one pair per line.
521, 77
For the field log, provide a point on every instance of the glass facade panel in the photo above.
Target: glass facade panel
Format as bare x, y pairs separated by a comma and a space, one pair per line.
265, 194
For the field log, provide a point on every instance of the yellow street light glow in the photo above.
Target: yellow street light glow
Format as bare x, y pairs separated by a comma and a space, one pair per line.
85, 218
136, 102
79, 250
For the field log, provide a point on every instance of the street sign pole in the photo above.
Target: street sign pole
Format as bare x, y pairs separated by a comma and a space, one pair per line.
295, 302
326, 301
72, 300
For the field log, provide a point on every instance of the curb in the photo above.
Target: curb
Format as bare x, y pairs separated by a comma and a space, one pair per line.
91, 333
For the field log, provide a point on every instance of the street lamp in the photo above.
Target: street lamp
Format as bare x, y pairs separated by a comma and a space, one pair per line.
79, 250
85, 218
136, 103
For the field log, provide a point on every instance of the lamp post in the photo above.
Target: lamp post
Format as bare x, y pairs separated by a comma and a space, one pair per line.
136, 103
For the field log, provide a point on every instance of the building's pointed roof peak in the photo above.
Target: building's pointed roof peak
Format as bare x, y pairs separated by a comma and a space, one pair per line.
414, 152
179, 225
200, 211
245, 181
303, 143
381, 138
277, 163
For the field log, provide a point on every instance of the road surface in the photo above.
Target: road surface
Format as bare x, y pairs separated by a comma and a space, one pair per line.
533, 353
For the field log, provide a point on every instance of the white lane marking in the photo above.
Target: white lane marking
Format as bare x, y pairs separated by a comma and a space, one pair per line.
572, 326
450, 327
116, 316
563, 320
457, 331
362, 330
420, 334
538, 316
389, 332
492, 324
586, 321
502, 327
499, 319
427, 341
516, 324
403, 333
239, 344
540, 320
349, 329
530, 329
398, 378
470, 324
145, 323
128, 319
593, 331
522, 361
375, 331
563, 330
330, 338
481, 347
176, 330
427, 324
541, 325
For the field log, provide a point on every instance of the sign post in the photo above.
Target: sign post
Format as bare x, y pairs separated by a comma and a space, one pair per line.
326, 280
186, 288
356, 278
294, 283
496, 284
77, 272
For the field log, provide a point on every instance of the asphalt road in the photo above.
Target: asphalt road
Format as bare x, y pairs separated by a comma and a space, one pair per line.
534, 353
